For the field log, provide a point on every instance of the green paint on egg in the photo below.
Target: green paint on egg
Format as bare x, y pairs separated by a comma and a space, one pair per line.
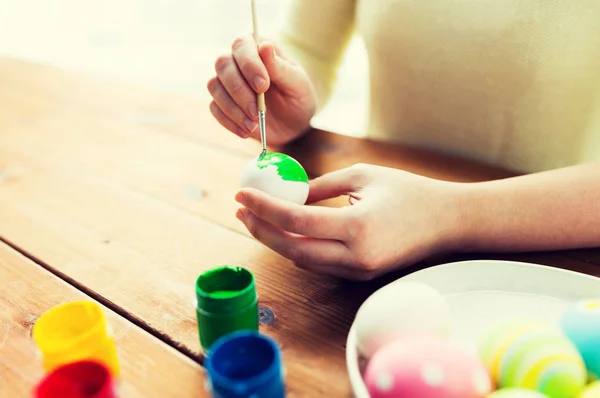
288, 168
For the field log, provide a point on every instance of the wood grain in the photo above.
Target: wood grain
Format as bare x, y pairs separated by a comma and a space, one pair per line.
130, 194
139, 251
48, 90
198, 172
135, 108
321, 152
150, 368
144, 255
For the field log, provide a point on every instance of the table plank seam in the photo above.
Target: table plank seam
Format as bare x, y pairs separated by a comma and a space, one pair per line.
107, 303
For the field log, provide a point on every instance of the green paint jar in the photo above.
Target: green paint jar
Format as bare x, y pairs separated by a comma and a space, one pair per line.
226, 301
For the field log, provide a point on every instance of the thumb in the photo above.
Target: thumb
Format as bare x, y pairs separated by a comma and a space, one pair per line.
340, 182
284, 73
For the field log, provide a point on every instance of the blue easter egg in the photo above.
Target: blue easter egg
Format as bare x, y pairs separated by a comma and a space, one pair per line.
581, 323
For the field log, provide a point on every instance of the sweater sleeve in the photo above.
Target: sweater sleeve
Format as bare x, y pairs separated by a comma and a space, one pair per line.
316, 34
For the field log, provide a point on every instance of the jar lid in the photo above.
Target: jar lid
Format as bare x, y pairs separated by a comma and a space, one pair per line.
243, 364
82, 379
73, 326
225, 289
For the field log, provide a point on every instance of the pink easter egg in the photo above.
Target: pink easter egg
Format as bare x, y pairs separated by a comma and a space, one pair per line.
426, 368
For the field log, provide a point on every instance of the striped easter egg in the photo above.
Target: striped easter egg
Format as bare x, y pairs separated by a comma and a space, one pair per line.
534, 356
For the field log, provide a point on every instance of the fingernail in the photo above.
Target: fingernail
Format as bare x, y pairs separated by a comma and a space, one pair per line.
251, 125
239, 197
253, 109
259, 82
239, 214
241, 132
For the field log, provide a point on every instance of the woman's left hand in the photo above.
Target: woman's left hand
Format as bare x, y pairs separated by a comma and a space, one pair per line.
395, 219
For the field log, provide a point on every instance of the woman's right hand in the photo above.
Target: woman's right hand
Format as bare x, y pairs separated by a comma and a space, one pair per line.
290, 96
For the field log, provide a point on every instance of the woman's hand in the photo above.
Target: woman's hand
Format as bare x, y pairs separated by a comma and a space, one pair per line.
395, 219
248, 70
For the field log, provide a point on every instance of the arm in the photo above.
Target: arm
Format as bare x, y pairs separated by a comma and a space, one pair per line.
316, 34
552, 210
398, 218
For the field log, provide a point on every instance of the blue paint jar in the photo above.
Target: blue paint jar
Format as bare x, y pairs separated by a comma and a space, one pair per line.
245, 364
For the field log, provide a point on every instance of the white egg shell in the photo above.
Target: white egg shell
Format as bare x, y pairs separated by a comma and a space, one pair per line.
269, 180
399, 309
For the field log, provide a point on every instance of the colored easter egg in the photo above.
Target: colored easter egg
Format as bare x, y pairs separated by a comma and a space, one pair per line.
581, 323
516, 393
533, 356
279, 175
400, 309
591, 391
425, 367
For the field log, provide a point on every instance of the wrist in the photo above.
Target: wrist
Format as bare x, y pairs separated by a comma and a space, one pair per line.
463, 218
479, 214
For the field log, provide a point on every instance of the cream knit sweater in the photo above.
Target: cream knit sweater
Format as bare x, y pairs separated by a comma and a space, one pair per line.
510, 82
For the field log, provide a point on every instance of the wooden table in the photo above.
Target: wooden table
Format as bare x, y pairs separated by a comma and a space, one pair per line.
125, 196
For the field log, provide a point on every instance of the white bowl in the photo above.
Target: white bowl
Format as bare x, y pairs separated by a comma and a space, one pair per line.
484, 292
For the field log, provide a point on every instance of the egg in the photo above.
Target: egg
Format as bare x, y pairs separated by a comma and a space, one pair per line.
277, 174
425, 367
581, 323
516, 393
591, 391
401, 308
534, 356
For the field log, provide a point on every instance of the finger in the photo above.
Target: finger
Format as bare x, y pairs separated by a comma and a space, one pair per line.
282, 71
250, 64
299, 249
225, 121
310, 221
336, 183
236, 85
222, 98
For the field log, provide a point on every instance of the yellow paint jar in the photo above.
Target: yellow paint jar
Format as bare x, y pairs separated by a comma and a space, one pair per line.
75, 331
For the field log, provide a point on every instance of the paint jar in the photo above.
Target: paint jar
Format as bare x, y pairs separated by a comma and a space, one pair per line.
245, 364
82, 379
73, 332
226, 302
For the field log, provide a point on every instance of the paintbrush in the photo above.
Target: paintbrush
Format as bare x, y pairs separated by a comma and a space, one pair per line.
262, 108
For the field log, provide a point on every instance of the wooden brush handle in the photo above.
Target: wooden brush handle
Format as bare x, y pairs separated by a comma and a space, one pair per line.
261, 102
261, 96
